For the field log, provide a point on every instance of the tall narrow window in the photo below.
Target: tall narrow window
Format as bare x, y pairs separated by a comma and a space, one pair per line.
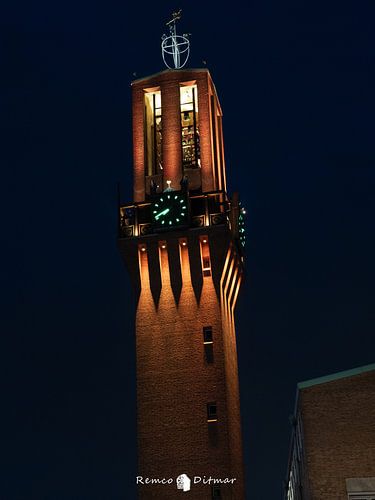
221, 152
215, 143
153, 133
205, 255
189, 126
208, 344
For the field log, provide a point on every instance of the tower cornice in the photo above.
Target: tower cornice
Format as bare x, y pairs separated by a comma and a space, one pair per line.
171, 71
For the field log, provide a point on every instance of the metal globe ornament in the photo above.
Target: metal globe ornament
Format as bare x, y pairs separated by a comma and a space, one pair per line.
175, 48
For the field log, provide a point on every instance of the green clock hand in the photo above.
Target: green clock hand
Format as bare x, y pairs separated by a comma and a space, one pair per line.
162, 213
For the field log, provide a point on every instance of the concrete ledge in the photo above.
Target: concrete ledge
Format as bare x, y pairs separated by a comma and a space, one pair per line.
361, 485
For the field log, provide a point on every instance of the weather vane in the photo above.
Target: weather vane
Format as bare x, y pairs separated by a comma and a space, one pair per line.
175, 48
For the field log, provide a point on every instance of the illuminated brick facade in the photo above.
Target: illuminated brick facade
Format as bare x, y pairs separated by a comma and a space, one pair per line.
332, 452
186, 280
212, 171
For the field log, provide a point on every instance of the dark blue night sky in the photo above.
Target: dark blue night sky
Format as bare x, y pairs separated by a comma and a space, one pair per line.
296, 83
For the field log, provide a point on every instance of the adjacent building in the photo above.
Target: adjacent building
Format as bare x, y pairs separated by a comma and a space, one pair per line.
332, 453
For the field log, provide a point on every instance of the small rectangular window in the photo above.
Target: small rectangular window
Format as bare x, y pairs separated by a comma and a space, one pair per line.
207, 335
206, 266
211, 412
216, 492
208, 344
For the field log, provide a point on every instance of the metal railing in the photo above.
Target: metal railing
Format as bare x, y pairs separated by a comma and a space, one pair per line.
207, 209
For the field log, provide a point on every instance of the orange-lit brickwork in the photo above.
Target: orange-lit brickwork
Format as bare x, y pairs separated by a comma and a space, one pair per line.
168, 82
186, 281
174, 380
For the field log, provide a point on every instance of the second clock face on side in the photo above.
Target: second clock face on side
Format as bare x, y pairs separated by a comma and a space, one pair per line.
170, 210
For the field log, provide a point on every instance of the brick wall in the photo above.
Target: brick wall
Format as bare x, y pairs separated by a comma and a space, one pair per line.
174, 380
168, 82
339, 433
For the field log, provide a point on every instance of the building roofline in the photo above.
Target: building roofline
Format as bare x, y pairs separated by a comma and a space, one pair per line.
336, 376
190, 70
316, 381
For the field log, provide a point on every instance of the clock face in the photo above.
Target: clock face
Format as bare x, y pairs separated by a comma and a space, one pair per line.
170, 210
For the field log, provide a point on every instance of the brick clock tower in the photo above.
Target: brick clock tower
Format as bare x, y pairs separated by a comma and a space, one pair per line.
181, 240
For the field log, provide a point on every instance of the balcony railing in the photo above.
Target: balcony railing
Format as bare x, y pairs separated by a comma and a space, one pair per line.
208, 209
